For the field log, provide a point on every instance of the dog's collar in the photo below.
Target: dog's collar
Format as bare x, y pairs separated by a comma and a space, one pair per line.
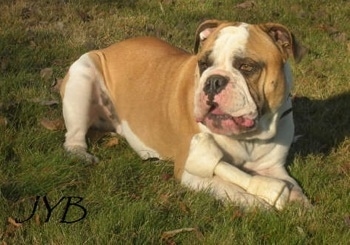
285, 113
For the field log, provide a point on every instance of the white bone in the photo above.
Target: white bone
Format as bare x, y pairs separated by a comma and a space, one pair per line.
273, 191
232, 174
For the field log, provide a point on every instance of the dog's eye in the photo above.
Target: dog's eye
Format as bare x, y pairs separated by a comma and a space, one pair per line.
203, 66
246, 68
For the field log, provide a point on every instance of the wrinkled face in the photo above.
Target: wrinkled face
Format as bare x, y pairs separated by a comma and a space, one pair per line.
241, 80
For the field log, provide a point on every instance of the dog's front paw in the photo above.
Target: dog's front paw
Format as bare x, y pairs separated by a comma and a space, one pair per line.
297, 195
274, 191
80, 152
204, 155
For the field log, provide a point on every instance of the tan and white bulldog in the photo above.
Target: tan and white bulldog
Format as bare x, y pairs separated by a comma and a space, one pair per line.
222, 115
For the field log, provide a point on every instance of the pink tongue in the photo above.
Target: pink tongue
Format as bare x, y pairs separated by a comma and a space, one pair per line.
245, 122
217, 111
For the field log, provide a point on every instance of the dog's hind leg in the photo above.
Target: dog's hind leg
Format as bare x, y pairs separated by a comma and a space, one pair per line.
77, 92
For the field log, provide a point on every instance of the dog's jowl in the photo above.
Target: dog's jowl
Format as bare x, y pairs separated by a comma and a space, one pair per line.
222, 114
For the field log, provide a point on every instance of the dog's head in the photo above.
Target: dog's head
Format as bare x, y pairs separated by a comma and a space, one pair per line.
242, 79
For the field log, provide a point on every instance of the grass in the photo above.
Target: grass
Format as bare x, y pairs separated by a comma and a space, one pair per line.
130, 201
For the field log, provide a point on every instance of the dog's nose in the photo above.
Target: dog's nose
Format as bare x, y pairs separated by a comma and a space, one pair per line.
215, 84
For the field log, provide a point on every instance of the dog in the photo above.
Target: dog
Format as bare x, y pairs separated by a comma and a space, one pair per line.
223, 115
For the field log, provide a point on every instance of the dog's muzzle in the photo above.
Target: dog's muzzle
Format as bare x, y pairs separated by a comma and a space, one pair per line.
223, 107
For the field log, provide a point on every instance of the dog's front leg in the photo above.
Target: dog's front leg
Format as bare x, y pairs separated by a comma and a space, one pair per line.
206, 164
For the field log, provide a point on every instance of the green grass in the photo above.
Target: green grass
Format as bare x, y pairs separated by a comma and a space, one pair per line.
130, 201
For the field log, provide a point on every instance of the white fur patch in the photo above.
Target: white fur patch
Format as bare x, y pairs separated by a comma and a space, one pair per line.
139, 147
231, 40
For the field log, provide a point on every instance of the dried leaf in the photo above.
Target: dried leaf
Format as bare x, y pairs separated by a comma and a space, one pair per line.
10, 229
298, 11
112, 142
32, 44
85, 17
46, 73
26, 13
45, 102
300, 230
53, 125
170, 234
164, 199
347, 220
166, 176
4, 63
340, 37
246, 5
297, 137
237, 214
56, 85
331, 30
184, 208
37, 219
60, 25
168, 2
345, 168
95, 135
13, 222
3, 121
49, 102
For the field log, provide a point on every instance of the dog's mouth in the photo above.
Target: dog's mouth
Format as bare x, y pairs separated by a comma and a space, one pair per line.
240, 121
223, 123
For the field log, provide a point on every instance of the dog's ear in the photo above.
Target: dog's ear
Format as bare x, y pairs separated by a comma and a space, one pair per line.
203, 31
285, 41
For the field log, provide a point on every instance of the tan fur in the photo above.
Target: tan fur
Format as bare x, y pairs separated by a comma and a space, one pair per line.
273, 90
137, 98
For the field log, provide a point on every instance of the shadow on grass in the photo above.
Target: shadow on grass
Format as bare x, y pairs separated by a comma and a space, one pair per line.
322, 124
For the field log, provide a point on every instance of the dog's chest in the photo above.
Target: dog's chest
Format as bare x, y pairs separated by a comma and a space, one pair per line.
245, 154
